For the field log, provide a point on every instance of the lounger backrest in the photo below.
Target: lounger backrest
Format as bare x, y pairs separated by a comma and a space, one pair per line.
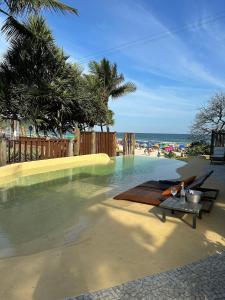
219, 151
199, 181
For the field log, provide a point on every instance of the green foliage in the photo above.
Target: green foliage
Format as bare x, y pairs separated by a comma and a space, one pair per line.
109, 84
210, 117
108, 81
38, 86
199, 148
14, 10
170, 154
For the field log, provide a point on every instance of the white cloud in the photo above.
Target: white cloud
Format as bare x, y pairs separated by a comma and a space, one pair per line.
161, 101
165, 55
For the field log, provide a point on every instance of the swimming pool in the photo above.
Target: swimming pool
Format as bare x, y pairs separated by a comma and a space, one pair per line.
50, 210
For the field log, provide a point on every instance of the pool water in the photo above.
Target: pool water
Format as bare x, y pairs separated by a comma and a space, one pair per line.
50, 210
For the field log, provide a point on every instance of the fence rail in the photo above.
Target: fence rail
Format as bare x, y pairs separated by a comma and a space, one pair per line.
98, 142
217, 139
29, 149
86, 143
129, 144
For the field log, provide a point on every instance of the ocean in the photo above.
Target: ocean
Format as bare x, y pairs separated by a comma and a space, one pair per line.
159, 138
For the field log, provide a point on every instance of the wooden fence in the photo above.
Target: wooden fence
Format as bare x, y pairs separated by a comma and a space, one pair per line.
98, 142
217, 139
129, 144
28, 149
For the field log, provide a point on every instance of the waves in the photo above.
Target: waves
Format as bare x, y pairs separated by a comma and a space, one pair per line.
160, 138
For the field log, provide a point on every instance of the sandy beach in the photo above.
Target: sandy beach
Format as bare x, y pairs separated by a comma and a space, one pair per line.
142, 153
127, 241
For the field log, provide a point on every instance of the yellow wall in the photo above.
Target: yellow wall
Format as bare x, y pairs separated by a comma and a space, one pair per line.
40, 166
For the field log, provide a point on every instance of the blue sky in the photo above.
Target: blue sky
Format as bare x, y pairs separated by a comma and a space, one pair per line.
175, 70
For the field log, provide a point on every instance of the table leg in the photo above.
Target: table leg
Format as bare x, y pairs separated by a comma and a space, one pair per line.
194, 221
200, 215
163, 215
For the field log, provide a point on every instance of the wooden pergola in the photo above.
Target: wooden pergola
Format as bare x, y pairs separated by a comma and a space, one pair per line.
218, 138
217, 141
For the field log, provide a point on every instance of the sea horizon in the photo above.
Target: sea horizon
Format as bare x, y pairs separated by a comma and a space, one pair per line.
178, 138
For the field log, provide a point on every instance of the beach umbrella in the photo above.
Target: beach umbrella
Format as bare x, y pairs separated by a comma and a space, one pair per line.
168, 148
181, 146
156, 146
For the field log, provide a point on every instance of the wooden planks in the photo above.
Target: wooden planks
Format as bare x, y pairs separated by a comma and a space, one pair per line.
85, 143
217, 139
28, 149
129, 144
106, 143
98, 142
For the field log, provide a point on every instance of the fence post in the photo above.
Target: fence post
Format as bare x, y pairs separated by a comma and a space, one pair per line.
133, 144
93, 143
125, 144
212, 142
114, 143
3, 152
77, 142
70, 147
129, 144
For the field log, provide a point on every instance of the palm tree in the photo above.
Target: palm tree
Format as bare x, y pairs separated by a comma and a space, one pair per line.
108, 81
29, 67
16, 9
39, 87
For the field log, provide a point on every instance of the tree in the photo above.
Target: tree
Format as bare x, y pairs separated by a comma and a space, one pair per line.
199, 148
108, 81
38, 86
210, 117
14, 10
28, 68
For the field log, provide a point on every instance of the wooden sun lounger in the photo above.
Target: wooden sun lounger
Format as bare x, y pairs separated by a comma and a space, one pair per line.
150, 192
218, 155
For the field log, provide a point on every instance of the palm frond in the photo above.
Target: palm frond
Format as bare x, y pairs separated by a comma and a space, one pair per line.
124, 89
20, 7
94, 68
14, 29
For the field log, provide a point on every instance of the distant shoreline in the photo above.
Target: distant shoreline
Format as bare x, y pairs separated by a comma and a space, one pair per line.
155, 138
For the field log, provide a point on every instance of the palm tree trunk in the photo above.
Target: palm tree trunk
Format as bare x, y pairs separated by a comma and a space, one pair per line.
36, 129
60, 132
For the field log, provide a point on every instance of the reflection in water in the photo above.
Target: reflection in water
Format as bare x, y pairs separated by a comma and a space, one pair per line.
48, 210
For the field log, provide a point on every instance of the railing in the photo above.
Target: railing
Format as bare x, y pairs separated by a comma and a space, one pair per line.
86, 142
106, 143
217, 139
98, 142
28, 149
129, 144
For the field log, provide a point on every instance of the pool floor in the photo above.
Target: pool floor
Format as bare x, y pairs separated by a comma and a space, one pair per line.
48, 210
62, 234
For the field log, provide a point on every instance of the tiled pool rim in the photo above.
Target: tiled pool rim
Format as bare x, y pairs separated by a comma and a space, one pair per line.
204, 279
11, 171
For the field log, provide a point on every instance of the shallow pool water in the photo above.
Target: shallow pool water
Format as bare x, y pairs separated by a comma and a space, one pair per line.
49, 210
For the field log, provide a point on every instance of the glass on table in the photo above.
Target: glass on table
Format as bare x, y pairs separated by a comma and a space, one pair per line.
173, 191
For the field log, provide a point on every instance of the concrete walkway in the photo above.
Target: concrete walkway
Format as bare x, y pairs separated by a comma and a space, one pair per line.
204, 279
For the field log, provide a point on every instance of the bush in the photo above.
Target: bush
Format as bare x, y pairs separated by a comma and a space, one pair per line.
170, 155
198, 148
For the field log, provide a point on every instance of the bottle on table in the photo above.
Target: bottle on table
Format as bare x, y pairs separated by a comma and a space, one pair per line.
182, 192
